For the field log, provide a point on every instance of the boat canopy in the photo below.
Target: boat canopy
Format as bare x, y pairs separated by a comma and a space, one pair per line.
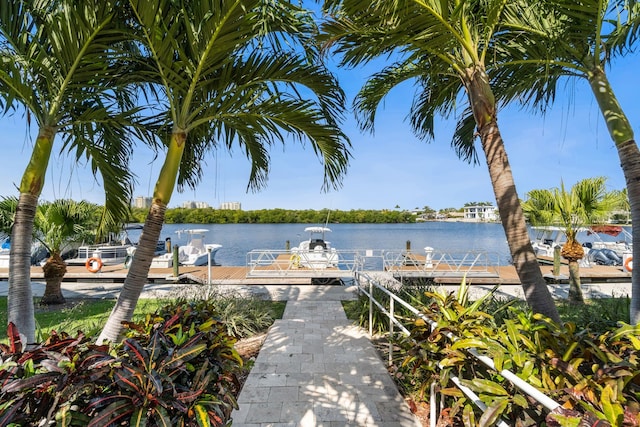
193, 231
317, 229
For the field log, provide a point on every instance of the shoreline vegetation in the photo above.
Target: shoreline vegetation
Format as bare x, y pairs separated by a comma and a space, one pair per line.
290, 216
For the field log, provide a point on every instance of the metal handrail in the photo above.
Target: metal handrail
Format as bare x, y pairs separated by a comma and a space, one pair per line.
269, 262
518, 382
443, 263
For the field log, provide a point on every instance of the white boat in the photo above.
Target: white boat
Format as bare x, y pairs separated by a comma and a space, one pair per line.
598, 248
112, 252
196, 251
315, 252
5, 249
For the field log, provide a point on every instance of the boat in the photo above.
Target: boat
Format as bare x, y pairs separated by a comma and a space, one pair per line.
113, 251
196, 252
598, 250
5, 249
315, 252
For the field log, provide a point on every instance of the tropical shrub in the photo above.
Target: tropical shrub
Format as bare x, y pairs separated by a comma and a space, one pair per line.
177, 367
593, 376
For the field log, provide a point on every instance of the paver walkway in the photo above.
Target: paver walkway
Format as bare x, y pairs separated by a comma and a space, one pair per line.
317, 369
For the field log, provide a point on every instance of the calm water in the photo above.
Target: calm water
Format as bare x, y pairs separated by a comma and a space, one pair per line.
238, 239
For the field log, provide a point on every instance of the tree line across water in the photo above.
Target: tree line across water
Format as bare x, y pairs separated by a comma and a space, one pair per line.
278, 216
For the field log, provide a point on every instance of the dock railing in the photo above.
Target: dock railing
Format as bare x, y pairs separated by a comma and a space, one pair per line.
283, 263
366, 285
435, 263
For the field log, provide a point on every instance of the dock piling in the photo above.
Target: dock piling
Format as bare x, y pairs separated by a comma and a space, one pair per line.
176, 261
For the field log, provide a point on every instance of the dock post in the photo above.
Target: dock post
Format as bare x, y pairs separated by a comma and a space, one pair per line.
209, 266
556, 261
287, 245
428, 258
176, 261
408, 245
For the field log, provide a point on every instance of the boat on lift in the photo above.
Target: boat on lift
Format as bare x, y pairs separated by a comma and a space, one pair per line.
315, 252
597, 242
196, 251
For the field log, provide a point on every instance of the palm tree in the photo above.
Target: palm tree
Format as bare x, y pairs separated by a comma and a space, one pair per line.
445, 47
239, 72
55, 67
57, 226
569, 39
587, 203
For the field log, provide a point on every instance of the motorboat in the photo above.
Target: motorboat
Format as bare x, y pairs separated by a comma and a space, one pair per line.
598, 249
113, 251
315, 252
5, 248
196, 251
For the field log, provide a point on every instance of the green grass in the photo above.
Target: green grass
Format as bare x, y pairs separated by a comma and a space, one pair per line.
243, 316
87, 315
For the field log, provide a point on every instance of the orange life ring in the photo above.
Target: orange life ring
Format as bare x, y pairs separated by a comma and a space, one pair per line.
93, 264
628, 264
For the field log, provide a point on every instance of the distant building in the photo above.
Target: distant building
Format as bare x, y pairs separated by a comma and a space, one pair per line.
480, 213
142, 202
195, 205
233, 206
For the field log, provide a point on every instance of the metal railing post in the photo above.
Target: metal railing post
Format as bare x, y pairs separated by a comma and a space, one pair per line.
209, 266
370, 307
392, 319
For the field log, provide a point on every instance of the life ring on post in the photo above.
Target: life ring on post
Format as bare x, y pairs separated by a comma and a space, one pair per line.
628, 264
294, 261
93, 264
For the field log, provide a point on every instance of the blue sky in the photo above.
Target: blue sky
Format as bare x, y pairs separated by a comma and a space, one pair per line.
389, 168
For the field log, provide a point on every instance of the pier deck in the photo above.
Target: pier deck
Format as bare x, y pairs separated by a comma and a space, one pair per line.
504, 275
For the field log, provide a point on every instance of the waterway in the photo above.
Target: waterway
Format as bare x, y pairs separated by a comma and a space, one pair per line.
238, 239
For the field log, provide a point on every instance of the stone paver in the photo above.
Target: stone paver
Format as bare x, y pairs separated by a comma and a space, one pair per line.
317, 369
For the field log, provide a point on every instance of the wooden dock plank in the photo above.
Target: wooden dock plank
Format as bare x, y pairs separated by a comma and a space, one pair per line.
238, 274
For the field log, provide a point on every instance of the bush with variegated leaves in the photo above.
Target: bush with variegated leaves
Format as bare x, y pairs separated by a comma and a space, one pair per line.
178, 367
595, 377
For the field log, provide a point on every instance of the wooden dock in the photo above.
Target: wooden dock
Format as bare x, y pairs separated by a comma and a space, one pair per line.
228, 275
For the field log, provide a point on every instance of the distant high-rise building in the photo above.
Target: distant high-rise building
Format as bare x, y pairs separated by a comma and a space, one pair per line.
234, 206
142, 202
195, 205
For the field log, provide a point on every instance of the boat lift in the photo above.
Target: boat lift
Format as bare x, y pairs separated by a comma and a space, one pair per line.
433, 264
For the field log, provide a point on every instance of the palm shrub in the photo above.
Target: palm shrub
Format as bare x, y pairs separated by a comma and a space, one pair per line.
176, 367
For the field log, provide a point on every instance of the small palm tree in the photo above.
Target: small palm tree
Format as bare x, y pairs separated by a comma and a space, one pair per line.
57, 225
587, 203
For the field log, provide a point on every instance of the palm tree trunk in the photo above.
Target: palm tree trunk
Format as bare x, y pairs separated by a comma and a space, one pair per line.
575, 292
20, 297
630, 162
622, 134
512, 217
54, 270
136, 276
139, 269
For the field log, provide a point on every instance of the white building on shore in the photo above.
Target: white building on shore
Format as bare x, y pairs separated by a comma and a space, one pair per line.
480, 213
